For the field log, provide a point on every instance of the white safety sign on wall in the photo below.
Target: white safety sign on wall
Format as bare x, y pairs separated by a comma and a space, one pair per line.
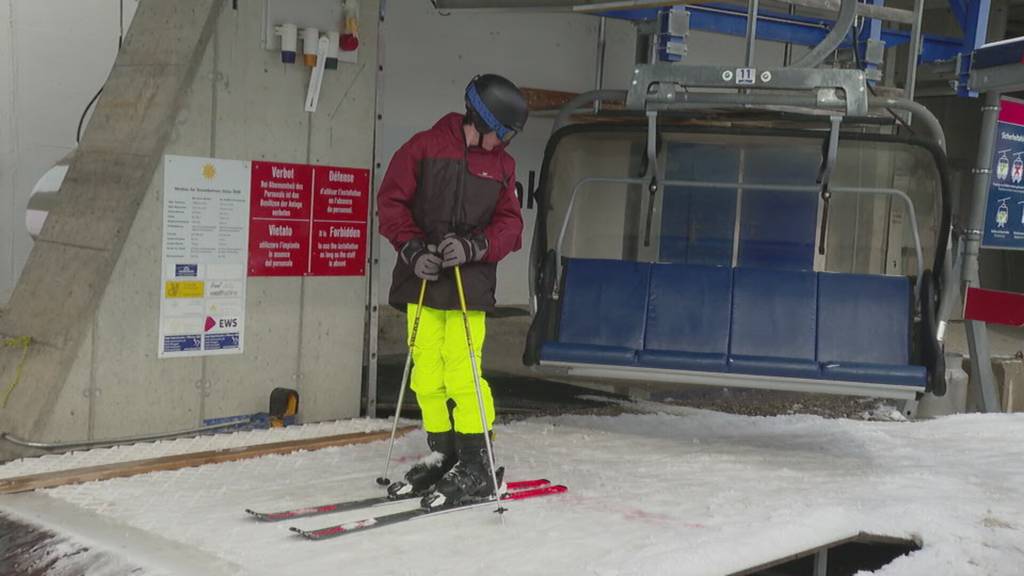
205, 256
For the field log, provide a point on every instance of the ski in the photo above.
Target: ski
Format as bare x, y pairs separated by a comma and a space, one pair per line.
397, 517
373, 501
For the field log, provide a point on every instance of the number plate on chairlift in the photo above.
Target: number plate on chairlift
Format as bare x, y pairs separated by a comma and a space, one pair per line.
746, 76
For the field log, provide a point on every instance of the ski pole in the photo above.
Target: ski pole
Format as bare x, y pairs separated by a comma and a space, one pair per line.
476, 382
383, 480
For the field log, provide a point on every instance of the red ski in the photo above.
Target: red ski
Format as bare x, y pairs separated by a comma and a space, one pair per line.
397, 517
366, 503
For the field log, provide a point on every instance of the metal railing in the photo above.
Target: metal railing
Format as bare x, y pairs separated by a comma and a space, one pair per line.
566, 220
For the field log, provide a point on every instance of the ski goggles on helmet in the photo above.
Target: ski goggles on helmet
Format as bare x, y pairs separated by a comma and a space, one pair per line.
505, 134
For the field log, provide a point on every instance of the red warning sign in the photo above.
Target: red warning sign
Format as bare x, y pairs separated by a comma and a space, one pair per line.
994, 306
308, 220
339, 249
341, 194
281, 190
278, 247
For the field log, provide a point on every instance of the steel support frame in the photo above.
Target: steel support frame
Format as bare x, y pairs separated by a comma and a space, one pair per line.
974, 23
731, 20
657, 85
982, 376
871, 32
736, 380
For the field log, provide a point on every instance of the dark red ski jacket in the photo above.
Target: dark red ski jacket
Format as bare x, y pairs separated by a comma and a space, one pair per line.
434, 185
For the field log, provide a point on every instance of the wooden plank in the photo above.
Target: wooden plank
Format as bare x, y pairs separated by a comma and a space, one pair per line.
134, 468
539, 99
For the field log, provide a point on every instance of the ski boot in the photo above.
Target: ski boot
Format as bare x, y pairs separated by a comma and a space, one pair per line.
423, 475
469, 481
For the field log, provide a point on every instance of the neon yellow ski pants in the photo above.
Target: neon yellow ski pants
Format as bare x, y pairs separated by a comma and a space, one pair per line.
442, 370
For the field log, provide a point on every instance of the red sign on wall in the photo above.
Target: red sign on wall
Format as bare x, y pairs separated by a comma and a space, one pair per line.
281, 191
308, 220
339, 249
341, 194
278, 247
994, 306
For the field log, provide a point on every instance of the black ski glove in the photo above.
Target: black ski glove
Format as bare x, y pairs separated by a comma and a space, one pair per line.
457, 250
422, 259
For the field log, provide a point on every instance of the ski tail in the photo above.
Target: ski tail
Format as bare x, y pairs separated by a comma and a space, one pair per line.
333, 507
544, 490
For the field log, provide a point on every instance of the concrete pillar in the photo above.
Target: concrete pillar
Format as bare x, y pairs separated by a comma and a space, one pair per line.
71, 264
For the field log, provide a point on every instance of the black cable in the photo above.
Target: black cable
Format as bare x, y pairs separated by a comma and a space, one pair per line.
120, 42
81, 119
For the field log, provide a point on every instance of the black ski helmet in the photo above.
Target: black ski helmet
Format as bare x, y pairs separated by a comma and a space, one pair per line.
495, 104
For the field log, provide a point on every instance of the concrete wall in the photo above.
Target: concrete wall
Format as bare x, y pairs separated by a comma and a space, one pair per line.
304, 333
301, 333
54, 56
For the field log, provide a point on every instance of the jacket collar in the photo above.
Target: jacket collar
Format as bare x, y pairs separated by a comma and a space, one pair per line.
451, 124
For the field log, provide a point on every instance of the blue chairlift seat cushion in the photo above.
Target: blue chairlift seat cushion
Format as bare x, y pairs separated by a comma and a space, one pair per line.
864, 330
773, 323
603, 303
906, 375
587, 354
774, 314
688, 309
863, 319
674, 360
774, 366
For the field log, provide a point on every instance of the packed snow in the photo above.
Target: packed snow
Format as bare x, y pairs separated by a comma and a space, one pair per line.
670, 491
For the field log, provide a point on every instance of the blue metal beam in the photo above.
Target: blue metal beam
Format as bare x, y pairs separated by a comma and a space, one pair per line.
779, 27
975, 33
972, 15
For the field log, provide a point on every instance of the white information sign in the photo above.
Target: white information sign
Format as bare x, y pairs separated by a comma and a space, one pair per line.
205, 256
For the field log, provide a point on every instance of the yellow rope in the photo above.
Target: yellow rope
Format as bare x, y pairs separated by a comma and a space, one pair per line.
23, 342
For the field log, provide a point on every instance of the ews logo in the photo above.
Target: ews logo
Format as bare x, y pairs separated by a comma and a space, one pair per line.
224, 323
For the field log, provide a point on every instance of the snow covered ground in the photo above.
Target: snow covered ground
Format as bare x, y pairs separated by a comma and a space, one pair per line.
673, 491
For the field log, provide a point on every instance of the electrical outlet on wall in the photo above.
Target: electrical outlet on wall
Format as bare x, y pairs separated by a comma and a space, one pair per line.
334, 18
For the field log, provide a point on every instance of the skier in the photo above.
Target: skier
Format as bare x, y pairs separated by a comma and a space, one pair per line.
448, 199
